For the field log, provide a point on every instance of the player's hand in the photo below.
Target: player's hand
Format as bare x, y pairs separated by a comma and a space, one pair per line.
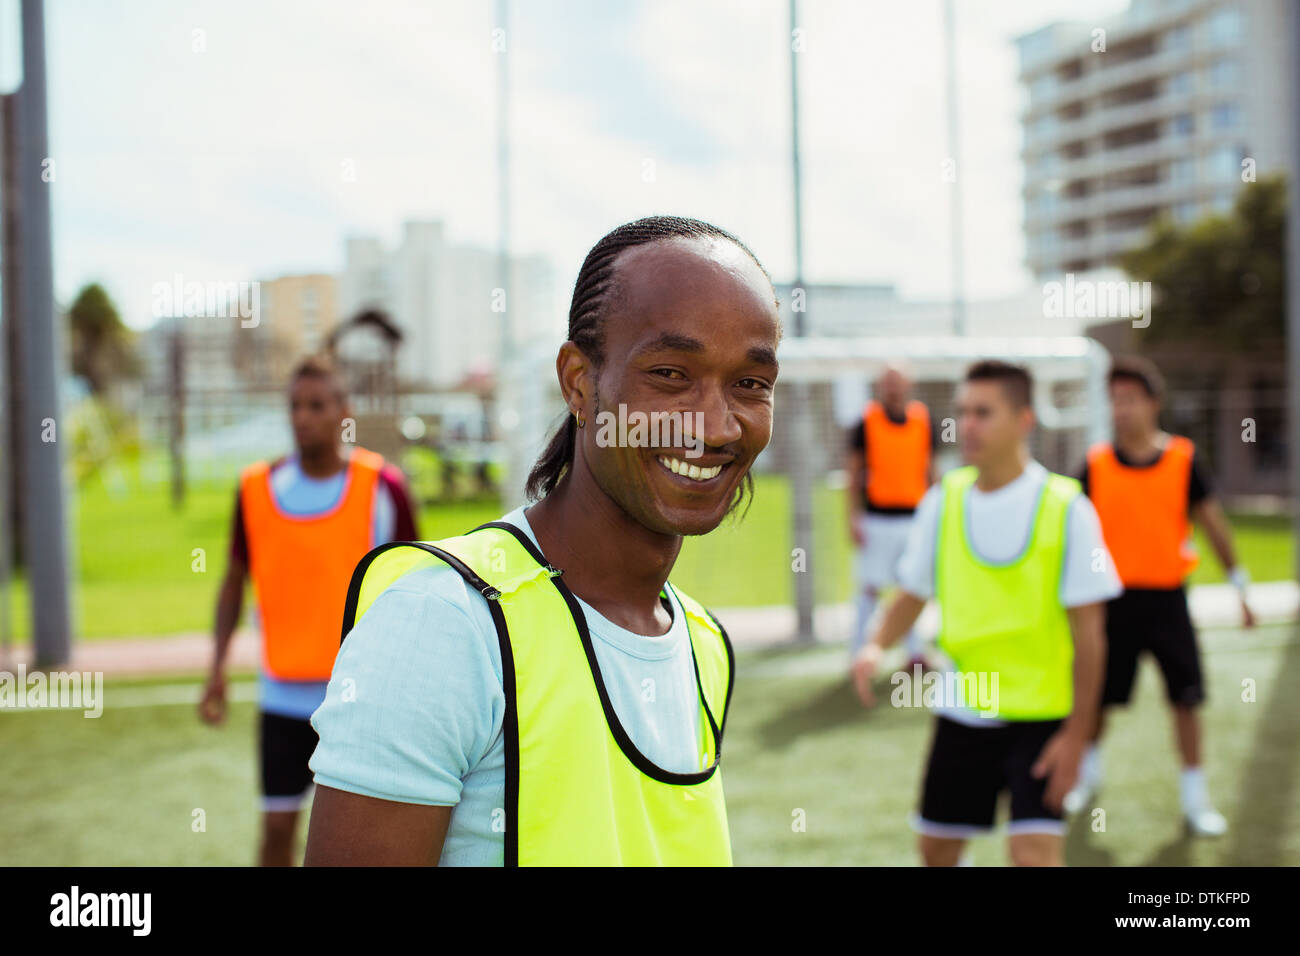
212, 706
1059, 763
1247, 615
864, 669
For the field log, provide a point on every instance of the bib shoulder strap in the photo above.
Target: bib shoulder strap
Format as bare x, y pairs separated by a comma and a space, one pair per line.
471, 555
702, 619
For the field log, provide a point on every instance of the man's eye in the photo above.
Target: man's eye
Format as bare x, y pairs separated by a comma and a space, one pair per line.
667, 372
756, 383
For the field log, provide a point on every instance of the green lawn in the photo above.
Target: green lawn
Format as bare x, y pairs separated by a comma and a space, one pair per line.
123, 789
137, 574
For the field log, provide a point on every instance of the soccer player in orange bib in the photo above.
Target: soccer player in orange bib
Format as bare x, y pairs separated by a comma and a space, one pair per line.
890, 466
301, 524
1146, 485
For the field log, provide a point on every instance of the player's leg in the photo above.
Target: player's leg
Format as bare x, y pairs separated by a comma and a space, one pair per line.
867, 581
278, 830
1126, 628
1036, 833
940, 851
1036, 849
959, 792
1175, 649
285, 745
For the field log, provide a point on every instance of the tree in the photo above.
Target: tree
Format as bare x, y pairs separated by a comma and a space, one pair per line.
1219, 281
103, 349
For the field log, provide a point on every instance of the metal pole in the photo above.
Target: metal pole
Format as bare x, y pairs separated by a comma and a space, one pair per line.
801, 442
954, 146
45, 530
506, 399
1293, 286
6, 318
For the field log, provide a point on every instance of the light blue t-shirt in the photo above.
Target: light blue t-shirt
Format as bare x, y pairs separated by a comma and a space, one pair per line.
297, 493
415, 705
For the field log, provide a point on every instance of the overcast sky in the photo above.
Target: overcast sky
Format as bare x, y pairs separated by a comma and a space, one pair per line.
226, 163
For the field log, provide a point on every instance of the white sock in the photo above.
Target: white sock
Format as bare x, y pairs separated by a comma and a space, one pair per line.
866, 608
1191, 786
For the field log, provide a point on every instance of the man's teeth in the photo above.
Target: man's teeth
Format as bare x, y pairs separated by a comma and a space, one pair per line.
679, 467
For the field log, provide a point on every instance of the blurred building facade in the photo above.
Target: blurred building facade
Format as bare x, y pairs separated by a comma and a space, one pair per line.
444, 298
1158, 123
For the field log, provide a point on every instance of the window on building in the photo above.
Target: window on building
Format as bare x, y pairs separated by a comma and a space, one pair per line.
1224, 117
1182, 125
1224, 164
1225, 75
1182, 171
1178, 40
1181, 83
1224, 26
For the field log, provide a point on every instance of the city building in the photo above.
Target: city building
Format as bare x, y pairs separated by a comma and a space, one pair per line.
1164, 109
445, 298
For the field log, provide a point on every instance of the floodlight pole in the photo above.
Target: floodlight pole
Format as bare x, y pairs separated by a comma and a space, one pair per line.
801, 441
1293, 286
41, 430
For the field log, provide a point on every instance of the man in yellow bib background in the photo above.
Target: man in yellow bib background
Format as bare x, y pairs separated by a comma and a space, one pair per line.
1014, 556
301, 523
536, 691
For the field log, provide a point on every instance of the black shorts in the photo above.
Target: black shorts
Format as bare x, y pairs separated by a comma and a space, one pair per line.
285, 745
970, 767
1156, 621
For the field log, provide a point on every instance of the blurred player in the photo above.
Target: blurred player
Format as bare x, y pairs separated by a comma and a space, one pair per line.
1009, 551
1144, 486
890, 465
301, 524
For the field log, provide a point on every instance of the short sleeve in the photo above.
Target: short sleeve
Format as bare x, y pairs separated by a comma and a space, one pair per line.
1089, 575
415, 700
1199, 484
857, 437
916, 566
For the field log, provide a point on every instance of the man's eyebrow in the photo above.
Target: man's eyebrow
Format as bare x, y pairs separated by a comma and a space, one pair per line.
675, 342
671, 342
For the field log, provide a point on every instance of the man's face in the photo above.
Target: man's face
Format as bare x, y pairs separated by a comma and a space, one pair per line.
894, 389
989, 425
316, 412
696, 331
1133, 410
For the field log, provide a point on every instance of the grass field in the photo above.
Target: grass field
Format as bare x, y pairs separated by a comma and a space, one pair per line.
123, 789
137, 572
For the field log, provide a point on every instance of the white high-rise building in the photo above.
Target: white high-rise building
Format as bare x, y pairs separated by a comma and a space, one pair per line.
446, 299
1158, 110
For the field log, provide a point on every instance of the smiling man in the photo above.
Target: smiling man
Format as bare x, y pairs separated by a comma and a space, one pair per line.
536, 691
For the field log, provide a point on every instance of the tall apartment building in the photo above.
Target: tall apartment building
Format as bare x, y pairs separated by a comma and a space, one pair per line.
443, 296
1159, 122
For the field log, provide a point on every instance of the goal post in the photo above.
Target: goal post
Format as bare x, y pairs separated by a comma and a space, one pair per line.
835, 375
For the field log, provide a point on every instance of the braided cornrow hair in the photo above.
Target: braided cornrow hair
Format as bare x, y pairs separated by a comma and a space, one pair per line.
593, 293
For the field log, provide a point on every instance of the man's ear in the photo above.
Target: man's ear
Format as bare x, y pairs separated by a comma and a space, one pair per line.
574, 371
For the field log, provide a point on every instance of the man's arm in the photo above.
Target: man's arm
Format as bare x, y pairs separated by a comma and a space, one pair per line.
899, 618
230, 605
1059, 759
1208, 513
349, 829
